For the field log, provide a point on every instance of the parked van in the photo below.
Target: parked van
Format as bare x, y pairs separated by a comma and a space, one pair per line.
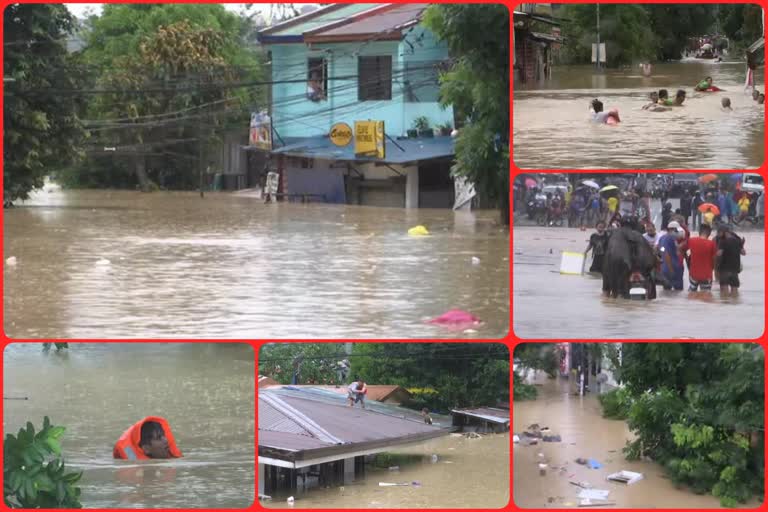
751, 182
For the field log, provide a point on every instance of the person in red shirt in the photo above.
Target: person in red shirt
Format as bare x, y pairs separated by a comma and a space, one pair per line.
703, 252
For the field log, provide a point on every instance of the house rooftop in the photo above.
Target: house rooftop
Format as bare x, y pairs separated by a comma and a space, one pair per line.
491, 414
298, 432
378, 392
346, 23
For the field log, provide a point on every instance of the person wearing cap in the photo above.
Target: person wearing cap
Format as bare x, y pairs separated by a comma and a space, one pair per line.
671, 264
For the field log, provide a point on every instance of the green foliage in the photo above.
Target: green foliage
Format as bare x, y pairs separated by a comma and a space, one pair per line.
477, 86
652, 31
698, 409
173, 72
41, 128
33, 470
616, 404
521, 390
317, 362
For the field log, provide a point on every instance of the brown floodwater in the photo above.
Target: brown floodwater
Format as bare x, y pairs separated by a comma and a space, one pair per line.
585, 433
97, 390
106, 264
548, 304
468, 473
552, 129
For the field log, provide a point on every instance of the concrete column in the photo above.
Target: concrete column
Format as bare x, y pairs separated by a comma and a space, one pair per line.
412, 188
349, 470
261, 478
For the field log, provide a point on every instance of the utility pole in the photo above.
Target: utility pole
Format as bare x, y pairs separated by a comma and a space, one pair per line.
597, 52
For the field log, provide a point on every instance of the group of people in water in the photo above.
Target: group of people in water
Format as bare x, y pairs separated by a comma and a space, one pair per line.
661, 102
676, 249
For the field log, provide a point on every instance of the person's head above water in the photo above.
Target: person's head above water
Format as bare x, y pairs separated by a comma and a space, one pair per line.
148, 438
726, 102
663, 94
654, 96
761, 99
709, 80
597, 105
755, 94
153, 441
680, 97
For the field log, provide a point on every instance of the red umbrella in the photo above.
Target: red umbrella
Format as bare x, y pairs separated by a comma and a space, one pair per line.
709, 207
530, 182
707, 178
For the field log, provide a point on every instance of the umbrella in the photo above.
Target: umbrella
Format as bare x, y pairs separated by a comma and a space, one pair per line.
590, 184
709, 206
530, 182
608, 188
707, 178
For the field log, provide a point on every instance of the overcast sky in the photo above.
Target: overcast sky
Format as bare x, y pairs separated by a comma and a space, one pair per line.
80, 10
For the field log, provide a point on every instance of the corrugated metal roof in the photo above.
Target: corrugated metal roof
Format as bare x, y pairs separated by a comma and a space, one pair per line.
298, 26
270, 418
486, 413
290, 442
380, 22
376, 392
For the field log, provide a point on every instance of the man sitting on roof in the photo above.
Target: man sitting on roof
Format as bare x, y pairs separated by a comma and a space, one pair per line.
150, 438
357, 391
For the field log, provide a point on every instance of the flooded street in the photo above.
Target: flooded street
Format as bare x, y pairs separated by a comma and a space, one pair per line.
469, 473
550, 305
552, 129
101, 264
585, 433
97, 391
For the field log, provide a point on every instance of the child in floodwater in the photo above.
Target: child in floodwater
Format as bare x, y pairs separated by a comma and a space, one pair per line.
598, 116
654, 106
725, 105
761, 99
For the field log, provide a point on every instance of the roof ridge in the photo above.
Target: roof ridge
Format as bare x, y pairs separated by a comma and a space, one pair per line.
301, 419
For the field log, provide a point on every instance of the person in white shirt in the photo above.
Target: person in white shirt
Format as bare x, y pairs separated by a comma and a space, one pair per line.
356, 393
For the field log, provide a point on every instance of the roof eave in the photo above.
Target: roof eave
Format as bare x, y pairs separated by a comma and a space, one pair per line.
300, 19
351, 38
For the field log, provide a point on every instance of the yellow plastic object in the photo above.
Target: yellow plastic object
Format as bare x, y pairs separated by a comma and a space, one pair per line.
418, 231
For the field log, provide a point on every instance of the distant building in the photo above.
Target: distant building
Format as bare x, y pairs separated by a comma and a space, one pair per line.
534, 48
482, 419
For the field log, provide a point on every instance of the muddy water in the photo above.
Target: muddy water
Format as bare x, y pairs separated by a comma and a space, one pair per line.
585, 433
550, 305
97, 391
232, 267
469, 473
552, 130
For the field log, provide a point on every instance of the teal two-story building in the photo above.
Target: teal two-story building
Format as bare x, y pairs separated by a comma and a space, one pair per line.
347, 63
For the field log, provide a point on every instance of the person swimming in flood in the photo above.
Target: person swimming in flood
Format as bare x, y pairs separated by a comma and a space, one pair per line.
598, 116
725, 105
150, 438
761, 99
704, 85
654, 106
679, 98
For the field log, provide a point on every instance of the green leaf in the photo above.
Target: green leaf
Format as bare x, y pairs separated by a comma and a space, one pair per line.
54, 445
57, 432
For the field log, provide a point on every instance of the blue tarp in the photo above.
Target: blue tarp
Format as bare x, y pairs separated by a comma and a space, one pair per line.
412, 150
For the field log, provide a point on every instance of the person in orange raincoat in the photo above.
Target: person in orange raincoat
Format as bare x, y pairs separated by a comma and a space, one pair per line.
150, 438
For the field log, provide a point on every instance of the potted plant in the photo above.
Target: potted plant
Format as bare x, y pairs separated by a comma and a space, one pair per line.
421, 124
445, 129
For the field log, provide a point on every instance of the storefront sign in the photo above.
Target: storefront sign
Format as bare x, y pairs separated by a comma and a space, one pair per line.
369, 139
341, 134
261, 131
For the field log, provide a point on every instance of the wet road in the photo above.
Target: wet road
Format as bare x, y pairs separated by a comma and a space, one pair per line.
469, 473
552, 131
97, 391
585, 433
550, 305
231, 267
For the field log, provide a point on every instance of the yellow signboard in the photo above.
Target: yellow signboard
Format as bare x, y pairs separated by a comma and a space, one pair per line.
341, 134
369, 139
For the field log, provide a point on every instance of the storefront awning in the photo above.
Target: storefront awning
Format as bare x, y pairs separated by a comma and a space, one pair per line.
400, 151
